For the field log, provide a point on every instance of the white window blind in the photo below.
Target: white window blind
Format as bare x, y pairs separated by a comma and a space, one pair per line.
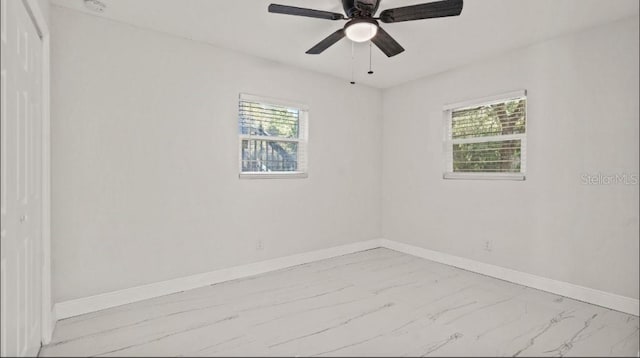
273, 138
486, 138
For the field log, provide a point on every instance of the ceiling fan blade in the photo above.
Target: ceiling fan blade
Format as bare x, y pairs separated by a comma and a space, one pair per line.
299, 11
422, 11
328, 41
386, 43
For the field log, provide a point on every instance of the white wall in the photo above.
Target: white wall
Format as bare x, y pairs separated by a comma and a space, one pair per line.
582, 118
45, 7
145, 159
145, 152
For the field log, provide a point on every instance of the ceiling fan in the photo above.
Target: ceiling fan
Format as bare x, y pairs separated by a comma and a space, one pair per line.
363, 26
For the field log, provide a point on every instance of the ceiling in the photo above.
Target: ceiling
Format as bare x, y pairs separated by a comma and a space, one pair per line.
486, 28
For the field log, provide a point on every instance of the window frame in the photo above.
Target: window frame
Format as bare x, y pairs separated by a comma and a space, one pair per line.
302, 140
448, 141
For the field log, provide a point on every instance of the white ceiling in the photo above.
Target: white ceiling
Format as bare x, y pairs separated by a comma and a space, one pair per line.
485, 28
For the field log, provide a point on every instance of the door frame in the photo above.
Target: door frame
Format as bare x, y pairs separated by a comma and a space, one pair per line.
47, 315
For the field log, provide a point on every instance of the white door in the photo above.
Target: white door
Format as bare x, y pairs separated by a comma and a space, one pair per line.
21, 203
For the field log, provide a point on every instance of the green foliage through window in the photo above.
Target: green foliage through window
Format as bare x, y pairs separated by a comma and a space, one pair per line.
488, 138
269, 120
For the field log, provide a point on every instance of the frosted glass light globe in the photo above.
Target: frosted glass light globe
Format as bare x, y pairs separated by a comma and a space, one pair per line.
361, 31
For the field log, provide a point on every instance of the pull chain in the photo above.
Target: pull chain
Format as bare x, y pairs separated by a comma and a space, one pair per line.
353, 80
370, 70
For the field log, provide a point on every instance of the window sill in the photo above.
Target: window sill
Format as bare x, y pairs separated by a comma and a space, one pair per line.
273, 175
485, 176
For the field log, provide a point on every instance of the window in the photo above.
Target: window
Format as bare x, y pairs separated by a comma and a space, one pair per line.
486, 139
273, 138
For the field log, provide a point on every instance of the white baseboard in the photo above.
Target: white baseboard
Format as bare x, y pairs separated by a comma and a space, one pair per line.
580, 293
84, 305
99, 302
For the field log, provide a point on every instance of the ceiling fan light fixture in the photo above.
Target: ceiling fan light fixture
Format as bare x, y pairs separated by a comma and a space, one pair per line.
361, 30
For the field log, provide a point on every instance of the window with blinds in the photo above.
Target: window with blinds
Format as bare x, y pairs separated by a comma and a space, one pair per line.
486, 139
273, 138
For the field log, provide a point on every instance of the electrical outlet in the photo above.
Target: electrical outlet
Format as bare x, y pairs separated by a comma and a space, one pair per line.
259, 245
488, 246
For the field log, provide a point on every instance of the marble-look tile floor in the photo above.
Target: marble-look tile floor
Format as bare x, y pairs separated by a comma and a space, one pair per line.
373, 303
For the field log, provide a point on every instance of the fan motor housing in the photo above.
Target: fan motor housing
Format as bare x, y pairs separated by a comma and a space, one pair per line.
360, 8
